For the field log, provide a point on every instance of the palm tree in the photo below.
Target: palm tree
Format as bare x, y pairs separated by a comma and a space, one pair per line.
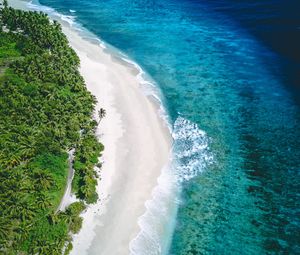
43, 201
101, 113
42, 247
5, 4
12, 160
56, 248
43, 180
22, 231
53, 218
5, 229
86, 190
66, 217
26, 211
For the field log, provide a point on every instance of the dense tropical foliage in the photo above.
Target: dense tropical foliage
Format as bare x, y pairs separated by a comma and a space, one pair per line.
45, 110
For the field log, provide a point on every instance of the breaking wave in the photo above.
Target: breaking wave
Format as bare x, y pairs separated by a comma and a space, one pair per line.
190, 156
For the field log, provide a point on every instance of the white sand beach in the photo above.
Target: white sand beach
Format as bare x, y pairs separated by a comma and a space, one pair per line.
137, 145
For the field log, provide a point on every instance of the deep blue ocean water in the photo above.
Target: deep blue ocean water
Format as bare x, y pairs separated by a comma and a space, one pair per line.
228, 72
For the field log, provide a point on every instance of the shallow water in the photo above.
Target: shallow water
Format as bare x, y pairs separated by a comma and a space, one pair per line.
229, 92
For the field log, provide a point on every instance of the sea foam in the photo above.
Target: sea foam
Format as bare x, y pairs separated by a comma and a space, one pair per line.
70, 19
190, 156
191, 149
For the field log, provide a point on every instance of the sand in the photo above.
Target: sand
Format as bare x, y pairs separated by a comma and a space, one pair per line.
137, 146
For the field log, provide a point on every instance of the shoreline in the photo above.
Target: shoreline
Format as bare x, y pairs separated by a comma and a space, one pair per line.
125, 185
132, 123
129, 174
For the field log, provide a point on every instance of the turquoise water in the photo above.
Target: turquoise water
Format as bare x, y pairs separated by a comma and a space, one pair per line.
235, 121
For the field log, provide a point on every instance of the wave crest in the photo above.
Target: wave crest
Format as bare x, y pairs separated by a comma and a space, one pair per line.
191, 149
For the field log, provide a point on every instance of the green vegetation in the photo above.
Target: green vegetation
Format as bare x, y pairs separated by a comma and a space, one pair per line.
45, 110
86, 157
